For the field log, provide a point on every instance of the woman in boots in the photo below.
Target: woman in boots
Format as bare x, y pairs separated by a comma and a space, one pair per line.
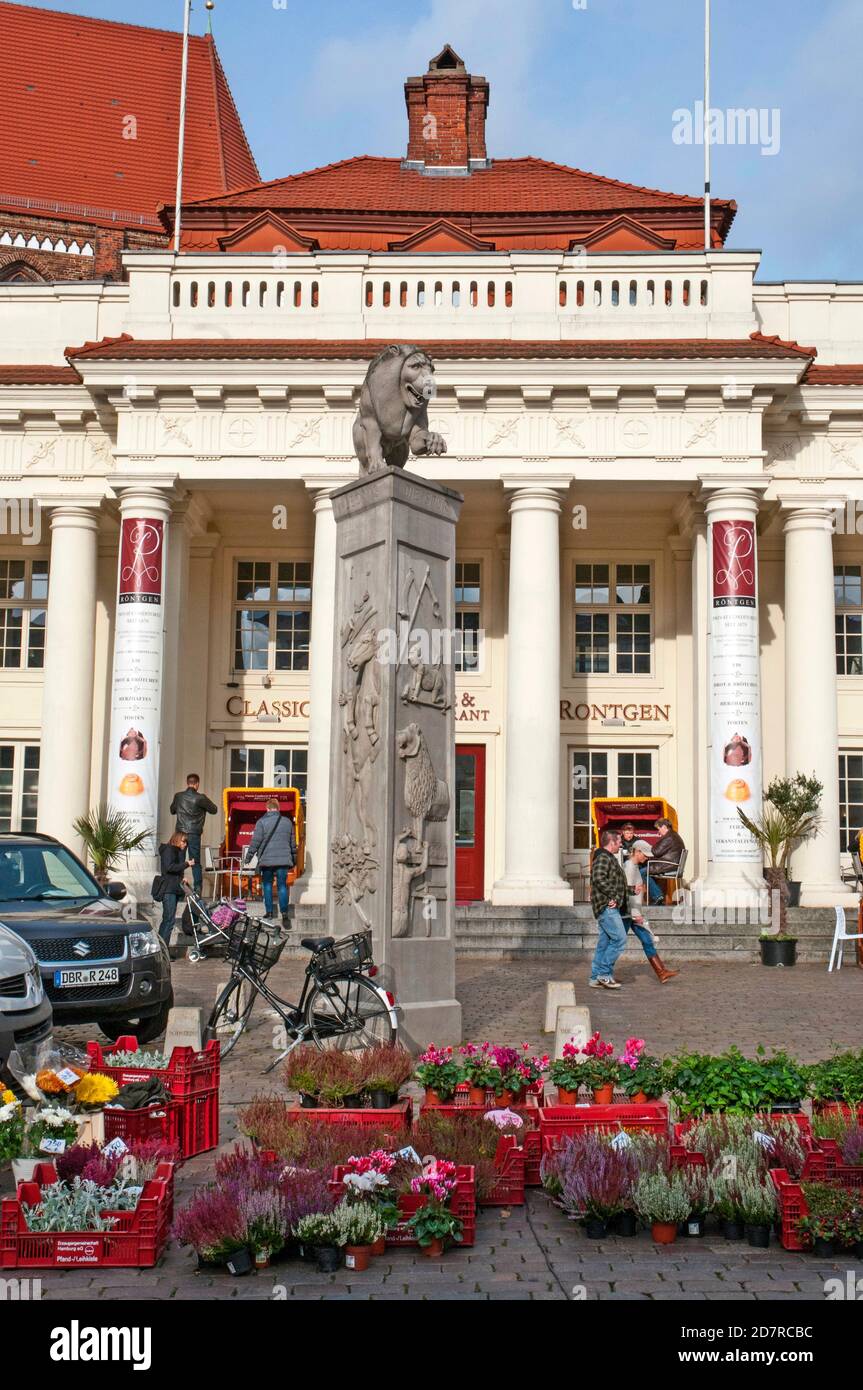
638, 855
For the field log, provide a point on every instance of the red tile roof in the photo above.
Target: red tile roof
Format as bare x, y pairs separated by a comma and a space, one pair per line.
844, 374
373, 183
70, 83
126, 349
38, 376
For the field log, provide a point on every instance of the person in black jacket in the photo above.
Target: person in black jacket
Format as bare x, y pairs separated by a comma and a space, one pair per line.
191, 808
172, 865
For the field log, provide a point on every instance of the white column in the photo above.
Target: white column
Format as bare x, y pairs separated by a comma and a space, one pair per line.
811, 715
734, 870
532, 812
67, 692
314, 886
137, 684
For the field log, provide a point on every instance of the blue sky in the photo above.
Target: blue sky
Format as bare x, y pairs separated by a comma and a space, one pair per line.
592, 83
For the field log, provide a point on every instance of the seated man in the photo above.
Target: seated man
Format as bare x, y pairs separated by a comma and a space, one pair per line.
667, 852
627, 840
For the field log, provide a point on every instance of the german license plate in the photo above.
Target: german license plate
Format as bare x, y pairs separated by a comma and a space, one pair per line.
93, 975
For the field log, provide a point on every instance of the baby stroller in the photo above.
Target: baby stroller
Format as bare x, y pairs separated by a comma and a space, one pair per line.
209, 927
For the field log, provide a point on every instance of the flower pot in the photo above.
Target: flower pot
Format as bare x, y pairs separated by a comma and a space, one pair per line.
328, 1258
262, 1259
518, 1096
432, 1097
308, 1102
794, 886
640, 1098
625, 1224
695, 1225
595, 1229
380, 1246
824, 1249
381, 1100
565, 1097
23, 1168
353, 1102
778, 952
210, 1261
357, 1257
603, 1095
477, 1095
240, 1262
503, 1099
858, 1250
664, 1232
434, 1250
733, 1230
758, 1236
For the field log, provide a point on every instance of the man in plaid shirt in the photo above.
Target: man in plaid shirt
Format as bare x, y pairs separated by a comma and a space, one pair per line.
608, 898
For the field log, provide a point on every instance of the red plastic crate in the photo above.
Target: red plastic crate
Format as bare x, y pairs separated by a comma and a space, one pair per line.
558, 1121
681, 1157
136, 1126
532, 1145
397, 1117
838, 1107
463, 1205
792, 1206
136, 1241
828, 1154
191, 1077
508, 1190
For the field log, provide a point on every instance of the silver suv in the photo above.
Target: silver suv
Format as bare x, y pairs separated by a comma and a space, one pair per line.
25, 1010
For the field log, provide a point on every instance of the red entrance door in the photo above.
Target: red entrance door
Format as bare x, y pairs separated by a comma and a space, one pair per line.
469, 822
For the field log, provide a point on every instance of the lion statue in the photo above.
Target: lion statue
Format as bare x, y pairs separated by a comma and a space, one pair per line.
392, 421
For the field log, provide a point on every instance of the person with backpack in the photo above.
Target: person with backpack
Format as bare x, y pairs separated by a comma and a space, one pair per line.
275, 843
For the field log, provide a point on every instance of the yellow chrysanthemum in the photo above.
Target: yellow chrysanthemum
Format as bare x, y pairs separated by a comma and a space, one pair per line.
95, 1089
7, 1097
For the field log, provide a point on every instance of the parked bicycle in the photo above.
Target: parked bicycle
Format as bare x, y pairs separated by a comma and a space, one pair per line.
339, 1007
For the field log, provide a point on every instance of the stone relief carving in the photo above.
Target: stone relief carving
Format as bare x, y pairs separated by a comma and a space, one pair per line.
360, 703
426, 795
42, 453
706, 430
173, 428
354, 873
410, 862
427, 682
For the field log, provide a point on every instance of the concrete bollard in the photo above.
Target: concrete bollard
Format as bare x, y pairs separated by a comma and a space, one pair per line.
558, 993
572, 1025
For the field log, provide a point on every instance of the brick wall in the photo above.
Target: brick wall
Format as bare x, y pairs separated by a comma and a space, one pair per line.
446, 118
108, 244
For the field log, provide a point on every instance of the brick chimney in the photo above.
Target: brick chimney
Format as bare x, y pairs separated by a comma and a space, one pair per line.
446, 117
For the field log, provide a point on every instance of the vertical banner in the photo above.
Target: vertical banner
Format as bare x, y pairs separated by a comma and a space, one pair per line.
735, 696
136, 699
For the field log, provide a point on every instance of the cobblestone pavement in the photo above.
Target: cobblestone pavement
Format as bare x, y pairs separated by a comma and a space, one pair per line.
534, 1252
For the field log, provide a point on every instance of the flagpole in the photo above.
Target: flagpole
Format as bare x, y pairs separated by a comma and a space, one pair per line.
178, 201
707, 125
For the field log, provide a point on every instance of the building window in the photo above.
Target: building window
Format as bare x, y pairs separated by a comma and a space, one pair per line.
848, 592
468, 609
850, 801
23, 592
613, 620
605, 772
19, 785
270, 767
272, 615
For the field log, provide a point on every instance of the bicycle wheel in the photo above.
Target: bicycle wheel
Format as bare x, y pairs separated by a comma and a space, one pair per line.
230, 1016
348, 1014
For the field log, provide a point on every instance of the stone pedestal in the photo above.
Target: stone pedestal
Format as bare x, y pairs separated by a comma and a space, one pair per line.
391, 821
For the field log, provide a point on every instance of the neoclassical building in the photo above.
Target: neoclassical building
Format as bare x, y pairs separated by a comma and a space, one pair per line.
653, 595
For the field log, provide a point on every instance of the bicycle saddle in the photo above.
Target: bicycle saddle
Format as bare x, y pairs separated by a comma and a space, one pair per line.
316, 943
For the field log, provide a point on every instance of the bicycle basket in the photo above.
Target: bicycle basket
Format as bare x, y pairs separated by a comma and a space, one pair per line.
345, 957
261, 948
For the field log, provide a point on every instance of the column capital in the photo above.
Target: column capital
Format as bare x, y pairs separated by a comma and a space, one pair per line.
811, 513
541, 484
535, 499
148, 499
729, 498
74, 516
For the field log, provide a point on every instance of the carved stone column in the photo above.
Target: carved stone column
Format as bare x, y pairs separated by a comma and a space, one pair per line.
391, 826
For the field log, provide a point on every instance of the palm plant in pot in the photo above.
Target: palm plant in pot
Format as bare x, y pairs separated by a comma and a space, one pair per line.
108, 836
790, 814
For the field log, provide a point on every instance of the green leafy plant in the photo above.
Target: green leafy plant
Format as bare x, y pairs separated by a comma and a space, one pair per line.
838, 1078
108, 837
835, 1213
790, 814
649, 1076
731, 1082
435, 1221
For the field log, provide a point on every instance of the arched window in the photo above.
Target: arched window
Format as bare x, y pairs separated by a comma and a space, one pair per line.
561, 294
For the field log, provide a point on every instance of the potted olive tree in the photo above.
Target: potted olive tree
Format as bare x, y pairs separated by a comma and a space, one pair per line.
790, 815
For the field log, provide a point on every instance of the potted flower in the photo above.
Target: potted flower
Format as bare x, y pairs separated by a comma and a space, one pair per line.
440, 1071
301, 1073
758, 1205
695, 1181
662, 1201
265, 1223
641, 1077
480, 1071
600, 1069
367, 1179
837, 1083
211, 1223
384, 1070
527, 1072
434, 1223
11, 1130
505, 1077
726, 1202
567, 1073
319, 1233
52, 1130
359, 1226
790, 815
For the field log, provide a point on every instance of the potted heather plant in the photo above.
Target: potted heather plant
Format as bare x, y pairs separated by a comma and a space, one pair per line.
319, 1232
695, 1180
359, 1226
758, 1205
211, 1223
662, 1201
600, 1068
567, 1073
440, 1071
301, 1073
384, 1070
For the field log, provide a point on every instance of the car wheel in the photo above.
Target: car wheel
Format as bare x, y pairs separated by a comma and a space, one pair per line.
144, 1029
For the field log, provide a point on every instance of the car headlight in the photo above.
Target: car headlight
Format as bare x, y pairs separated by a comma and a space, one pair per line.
144, 943
36, 980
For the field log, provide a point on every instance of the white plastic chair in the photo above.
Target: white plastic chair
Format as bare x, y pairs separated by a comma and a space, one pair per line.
840, 935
